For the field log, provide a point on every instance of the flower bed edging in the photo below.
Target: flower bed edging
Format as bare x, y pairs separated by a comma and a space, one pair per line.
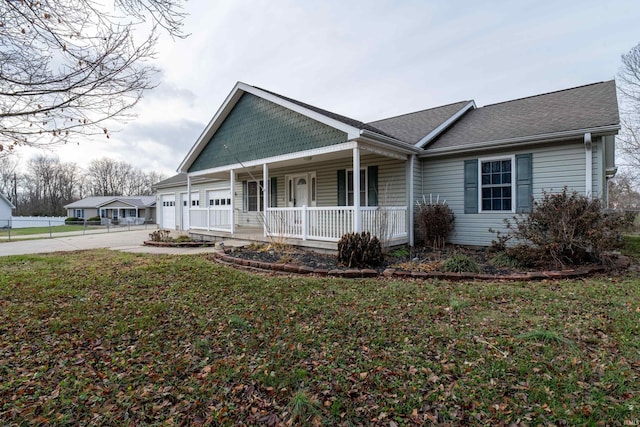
623, 263
178, 244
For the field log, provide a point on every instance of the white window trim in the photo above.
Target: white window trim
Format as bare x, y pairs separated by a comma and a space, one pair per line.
511, 157
364, 185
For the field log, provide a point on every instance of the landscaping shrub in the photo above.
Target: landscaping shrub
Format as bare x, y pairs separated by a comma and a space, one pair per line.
72, 220
504, 260
434, 222
160, 236
359, 250
94, 220
460, 263
566, 228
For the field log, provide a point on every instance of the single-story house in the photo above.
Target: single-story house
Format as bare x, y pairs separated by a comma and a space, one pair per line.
134, 209
267, 166
5, 210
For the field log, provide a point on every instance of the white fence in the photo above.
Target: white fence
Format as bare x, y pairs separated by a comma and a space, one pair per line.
31, 221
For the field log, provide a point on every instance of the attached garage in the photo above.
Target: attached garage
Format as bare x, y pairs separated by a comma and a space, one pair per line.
168, 218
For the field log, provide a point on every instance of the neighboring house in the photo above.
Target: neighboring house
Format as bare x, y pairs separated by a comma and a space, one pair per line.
126, 208
268, 166
5, 210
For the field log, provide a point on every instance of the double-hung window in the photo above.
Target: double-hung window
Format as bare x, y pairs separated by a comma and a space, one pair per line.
498, 184
496, 178
254, 197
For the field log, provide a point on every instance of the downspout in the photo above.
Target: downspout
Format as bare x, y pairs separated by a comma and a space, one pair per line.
411, 184
588, 150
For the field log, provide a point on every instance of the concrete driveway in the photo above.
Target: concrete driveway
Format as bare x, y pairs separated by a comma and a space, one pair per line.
126, 241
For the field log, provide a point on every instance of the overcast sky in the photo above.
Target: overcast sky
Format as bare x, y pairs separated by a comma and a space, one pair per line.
365, 59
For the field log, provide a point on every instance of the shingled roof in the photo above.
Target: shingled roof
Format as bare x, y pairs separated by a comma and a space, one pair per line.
584, 107
412, 127
96, 201
344, 119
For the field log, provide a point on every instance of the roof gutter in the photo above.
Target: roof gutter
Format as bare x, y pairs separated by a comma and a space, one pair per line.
409, 149
518, 141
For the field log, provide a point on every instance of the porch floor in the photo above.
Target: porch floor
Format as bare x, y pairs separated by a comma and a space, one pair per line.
256, 234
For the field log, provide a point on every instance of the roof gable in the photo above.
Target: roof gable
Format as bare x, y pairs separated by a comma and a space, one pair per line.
583, 108
414, 128
7, 201
257, 128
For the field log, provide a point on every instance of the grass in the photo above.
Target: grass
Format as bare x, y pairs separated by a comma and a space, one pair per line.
41, 230
108, 338
631, 247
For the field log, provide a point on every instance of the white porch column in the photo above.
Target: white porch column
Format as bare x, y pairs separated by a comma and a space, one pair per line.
188, 201
357, 218
136, 215
265, 197
232, 212
410, 184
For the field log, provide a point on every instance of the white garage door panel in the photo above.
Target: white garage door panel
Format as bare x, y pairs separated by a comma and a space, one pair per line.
169, 211
195, 202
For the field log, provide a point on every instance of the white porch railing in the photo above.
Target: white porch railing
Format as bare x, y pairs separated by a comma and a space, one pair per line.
330, 223
210, 218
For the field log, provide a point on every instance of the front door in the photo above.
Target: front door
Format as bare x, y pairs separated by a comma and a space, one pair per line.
302, 192
297, 190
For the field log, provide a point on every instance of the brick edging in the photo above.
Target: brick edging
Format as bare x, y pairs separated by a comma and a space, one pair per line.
177, 244
404, 274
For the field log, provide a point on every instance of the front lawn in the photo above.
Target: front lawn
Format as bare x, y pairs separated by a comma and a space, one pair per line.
103, 337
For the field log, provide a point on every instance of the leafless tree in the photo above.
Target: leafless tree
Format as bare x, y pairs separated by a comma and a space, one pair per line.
622, 193
48, 185
108, 177
8, 176
629, 89
68, 67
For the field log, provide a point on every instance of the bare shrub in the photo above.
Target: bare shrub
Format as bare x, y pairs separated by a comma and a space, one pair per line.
434, 221
566, 228
359, 250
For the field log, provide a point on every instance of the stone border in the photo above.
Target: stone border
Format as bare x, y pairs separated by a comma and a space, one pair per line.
178, 244
622, 263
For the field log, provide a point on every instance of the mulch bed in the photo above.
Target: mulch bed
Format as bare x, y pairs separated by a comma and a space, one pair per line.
416, 263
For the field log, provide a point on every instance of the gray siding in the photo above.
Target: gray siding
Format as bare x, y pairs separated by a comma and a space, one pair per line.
553, 169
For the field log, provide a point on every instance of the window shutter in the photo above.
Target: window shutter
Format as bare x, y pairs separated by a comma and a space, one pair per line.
524, 187
471, 186
274, 192
245, 196
342, 187
372, 185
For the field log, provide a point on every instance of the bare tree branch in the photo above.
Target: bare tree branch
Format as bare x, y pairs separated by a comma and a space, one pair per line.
628, 141
69, 66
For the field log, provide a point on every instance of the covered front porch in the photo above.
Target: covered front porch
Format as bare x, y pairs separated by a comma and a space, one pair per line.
311, 200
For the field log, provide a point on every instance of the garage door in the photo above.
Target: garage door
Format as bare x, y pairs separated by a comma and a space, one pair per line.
169, 211
195, 203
